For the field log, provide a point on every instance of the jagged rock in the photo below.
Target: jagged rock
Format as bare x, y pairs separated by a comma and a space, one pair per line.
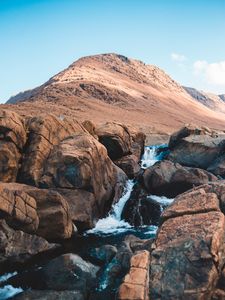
196, 147
49, 295
44, 133
18, 208
136, 283
51, 209
81, 162
170, 179
140, 209
188, 255
17, 246
12, 141
116, 138
129, 164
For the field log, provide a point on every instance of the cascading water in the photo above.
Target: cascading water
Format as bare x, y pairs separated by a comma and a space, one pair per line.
8, 291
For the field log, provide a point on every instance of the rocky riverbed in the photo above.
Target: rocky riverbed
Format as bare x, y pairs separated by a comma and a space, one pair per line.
88, 212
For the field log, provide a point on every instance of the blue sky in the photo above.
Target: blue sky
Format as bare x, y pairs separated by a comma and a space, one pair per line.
186, 38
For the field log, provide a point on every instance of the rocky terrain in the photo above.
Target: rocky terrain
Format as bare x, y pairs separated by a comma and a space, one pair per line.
112, 87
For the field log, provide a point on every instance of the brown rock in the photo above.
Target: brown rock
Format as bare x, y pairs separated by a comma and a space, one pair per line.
140, 260
129, 164
90, 127
116, 138
12, 141
17, 246
170, 179
196, 147
188, 256
18, 208
44, 133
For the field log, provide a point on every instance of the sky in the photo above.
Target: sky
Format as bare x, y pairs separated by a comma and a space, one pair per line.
38, 39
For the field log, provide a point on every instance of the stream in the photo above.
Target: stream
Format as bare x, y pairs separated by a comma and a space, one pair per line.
110, 230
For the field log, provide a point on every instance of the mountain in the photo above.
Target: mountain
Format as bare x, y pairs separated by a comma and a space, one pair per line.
113, 87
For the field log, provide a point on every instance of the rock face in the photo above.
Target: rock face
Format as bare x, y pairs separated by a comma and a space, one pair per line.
43, 134
18, 208
170, 179
81, 162
188, 255
17, 246
116, 138
129, 164
136, 283
12, 141
49, 295
196, 147
49, 207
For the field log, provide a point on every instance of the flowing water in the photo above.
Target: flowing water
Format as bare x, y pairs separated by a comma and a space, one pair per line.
111, 229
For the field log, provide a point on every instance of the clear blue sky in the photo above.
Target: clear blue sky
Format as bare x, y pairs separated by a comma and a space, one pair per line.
39, 38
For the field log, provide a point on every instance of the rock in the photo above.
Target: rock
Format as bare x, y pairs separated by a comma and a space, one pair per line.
129, 164
44, 134
69, 272
135, 284
12, 141
218, 166
196, 147
18, 247
18, 208
90, 127
140, 209
188, 256
170, 179
81, 162
104, 254
116, 138
49, 295
137, 142
51, 209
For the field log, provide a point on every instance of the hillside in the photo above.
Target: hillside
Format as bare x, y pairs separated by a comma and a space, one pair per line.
114, 87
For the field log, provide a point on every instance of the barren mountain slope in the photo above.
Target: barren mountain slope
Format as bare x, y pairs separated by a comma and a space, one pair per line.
113, 87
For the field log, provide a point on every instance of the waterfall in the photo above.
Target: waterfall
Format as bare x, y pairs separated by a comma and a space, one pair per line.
8, 291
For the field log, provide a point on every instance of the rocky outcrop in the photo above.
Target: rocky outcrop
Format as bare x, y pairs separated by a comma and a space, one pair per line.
188, 254
130, 165
170, 179
43, 134
116, 138
196, 147
18, 208
50, 209
81, 162
18, 247
12, 141
136, 283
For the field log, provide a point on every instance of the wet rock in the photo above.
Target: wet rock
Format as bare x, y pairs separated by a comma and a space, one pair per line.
12, 141
18, 208
170, 179
18, 247
218, 166
50, 207
188, 256
140, 209
81, 162
104, 254
49, 295
116, 138
136, 283
130, 165
196, 147
43, 134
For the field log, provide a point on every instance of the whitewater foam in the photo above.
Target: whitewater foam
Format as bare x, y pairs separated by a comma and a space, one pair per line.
8, 291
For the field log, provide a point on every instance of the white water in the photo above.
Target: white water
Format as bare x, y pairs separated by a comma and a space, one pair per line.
149, 157
113, 223
8, 291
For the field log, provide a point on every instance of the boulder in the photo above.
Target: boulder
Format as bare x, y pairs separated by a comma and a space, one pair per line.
18, 208
51, 209
104, 254
196, 147
49, 295
17, 247
116, 138
188, 254
140, 209
12, 141
43, 133
129, 164
137, 142
90, 127
218, 166
81, 162
136, 283
170, 179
